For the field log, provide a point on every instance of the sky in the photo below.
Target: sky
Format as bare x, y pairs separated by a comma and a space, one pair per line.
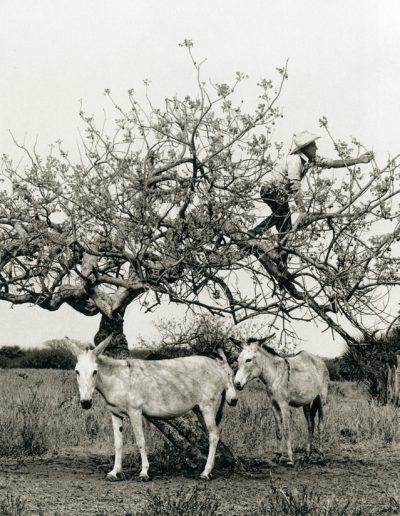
343, 63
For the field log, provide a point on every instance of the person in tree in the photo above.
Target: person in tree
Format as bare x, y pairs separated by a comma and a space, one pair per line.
284, 181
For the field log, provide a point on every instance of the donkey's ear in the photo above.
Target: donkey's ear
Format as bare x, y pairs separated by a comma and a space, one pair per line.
237, 342
221, 354
102, 346
266, 339
73, 347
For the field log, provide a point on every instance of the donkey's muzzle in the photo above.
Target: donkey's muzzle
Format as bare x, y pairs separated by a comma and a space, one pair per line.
86, 404
232, 402
238, 386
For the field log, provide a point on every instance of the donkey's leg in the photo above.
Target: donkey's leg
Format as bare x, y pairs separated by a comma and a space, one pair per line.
321, 426
137, 425
276, 410
209, 414
117, 469
310, 428
317, 407
286, 426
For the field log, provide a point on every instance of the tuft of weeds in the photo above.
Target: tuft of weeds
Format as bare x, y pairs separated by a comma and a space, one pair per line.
92, 427
306, 502
392, 503
33, 430
197, 501
25, 431
12, 506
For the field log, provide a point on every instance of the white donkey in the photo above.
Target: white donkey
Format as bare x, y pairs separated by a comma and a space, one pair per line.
300, 380
156, 388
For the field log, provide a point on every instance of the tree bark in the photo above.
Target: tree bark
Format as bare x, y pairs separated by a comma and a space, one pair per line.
185, 433
118, 347
393, 383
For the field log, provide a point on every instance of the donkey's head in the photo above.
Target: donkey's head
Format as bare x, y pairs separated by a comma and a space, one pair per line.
230, 391
249, 363
86, 369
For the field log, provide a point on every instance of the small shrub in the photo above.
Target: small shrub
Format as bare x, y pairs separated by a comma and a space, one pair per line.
92, 427
392, 505
12, 506
5, 363
197, 501
293, 502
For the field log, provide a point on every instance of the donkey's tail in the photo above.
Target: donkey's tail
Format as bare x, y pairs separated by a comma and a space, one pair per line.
218, 415
316, 406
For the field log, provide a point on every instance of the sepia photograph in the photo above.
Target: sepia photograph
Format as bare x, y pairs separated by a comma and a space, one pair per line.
199, 258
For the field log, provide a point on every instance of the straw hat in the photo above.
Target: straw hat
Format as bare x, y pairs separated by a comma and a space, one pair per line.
303, 139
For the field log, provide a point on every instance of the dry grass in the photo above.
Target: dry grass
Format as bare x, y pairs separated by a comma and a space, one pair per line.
40, 411
197, 501
12, 506
350, 418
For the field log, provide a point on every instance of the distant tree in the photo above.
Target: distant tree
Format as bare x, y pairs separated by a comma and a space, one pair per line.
46, 359
11, 352
42, 358
8, 355
334, 368
371, 364
202, 334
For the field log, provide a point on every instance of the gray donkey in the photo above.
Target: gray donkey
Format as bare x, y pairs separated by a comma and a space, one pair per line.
294, 381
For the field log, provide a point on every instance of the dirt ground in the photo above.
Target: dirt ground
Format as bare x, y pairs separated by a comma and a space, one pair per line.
74, 483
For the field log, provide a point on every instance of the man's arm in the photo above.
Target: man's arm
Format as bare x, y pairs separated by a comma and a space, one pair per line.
340, 163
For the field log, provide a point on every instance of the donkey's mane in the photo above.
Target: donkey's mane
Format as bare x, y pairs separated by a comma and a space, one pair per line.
109, 362
270, 350
264, 347
267, 349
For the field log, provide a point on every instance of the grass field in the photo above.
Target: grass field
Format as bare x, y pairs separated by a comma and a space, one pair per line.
42, 423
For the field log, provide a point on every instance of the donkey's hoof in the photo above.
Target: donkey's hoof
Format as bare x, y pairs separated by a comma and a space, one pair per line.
290, 463
112, 477
204, 476
144, 477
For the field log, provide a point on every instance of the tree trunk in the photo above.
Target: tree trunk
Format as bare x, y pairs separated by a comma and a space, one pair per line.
188, 437
185, 433
118, 348
393, 383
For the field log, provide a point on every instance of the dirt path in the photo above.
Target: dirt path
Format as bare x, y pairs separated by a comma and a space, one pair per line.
74, 484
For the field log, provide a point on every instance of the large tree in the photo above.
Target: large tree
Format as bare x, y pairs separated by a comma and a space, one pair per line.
165, 205
169, 203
